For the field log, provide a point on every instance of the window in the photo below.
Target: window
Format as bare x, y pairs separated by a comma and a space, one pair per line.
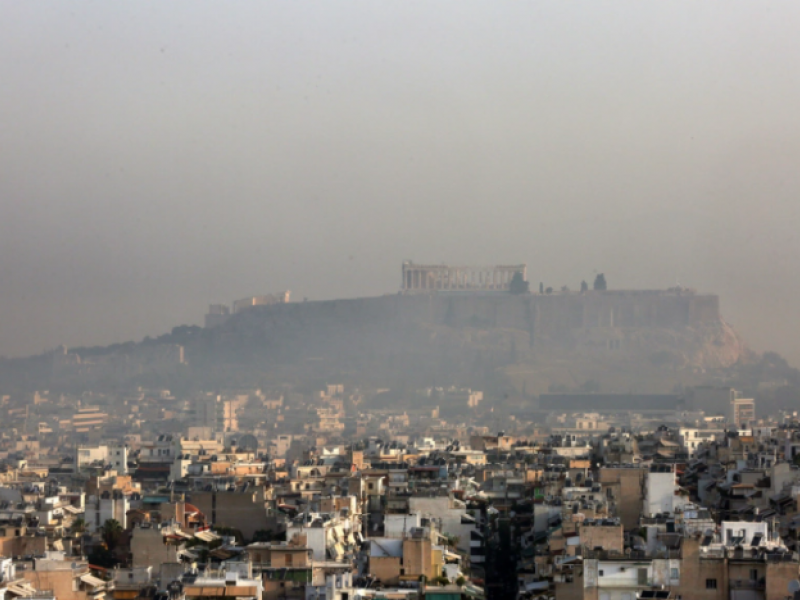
600, 572
711, 584
289, 560
753, 574
674, 574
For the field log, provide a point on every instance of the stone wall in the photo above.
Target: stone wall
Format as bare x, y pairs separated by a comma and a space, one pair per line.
547, 312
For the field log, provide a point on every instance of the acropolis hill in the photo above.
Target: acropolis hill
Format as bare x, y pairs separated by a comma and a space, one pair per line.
447, 325
463, 326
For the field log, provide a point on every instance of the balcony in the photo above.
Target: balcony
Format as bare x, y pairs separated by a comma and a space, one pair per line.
748, 584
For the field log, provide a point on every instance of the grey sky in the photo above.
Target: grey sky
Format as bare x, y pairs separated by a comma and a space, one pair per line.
160, 156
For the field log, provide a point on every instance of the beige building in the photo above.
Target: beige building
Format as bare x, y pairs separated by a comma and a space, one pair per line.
623, 487
742, 413
242, 509
719, 575
66, 580
218, 413
395, 560
599, 535
88, 418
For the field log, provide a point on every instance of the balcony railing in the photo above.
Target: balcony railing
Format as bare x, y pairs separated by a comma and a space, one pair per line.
748, 584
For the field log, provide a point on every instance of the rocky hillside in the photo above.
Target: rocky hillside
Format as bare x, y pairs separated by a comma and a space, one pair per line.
436, 340
511, 343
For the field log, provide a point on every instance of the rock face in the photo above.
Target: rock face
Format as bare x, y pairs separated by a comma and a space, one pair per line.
716, 345
439, 339
650, 341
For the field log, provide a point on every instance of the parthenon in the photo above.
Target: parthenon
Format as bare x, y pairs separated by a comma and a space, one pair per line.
430, 278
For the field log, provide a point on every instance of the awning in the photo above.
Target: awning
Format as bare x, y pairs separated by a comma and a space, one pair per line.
92, 580
222, 554
21, 589
183, 534
206, 536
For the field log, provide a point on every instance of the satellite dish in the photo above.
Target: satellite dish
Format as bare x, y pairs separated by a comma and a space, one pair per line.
794, 586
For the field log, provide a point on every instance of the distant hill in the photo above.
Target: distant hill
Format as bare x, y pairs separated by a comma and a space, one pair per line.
644, 341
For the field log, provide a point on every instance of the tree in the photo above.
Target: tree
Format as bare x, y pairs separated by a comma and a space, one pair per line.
263, 535
518, 284
78, 525
102, 558
584, 286
78, 528
600, 283
231, 531
110, 533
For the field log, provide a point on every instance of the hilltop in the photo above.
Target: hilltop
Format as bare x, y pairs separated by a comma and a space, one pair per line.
514, 344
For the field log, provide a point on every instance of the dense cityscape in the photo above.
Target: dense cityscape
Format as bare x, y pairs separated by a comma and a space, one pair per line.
399, 300
111, 489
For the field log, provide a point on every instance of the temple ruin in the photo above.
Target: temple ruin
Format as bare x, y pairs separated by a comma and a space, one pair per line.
436, 278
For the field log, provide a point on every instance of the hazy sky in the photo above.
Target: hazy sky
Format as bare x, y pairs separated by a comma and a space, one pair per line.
158, 156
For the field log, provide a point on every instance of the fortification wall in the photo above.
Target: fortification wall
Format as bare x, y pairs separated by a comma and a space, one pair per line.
548, 313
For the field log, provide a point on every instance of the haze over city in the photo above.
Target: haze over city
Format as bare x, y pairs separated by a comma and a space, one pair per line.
158, 157
399, 300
